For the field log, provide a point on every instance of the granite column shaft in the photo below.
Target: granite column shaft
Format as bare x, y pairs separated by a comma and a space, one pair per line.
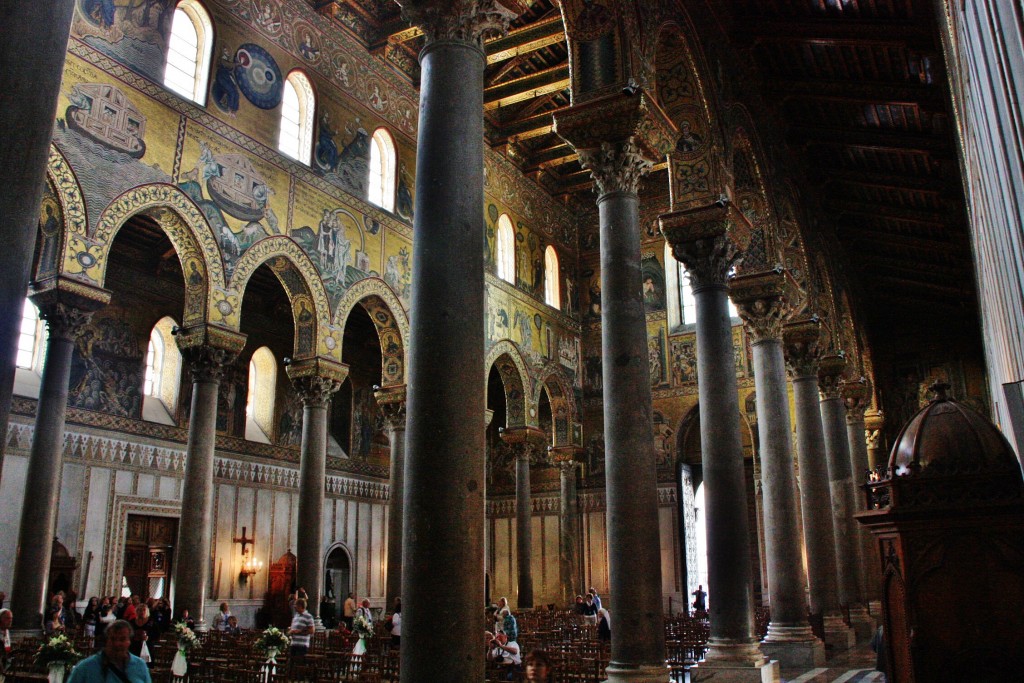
42, 481
32, 51
394, 413
568, 532
524, 529
837, 455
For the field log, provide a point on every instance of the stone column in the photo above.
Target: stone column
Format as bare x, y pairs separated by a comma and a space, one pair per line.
856, 395
32, 52
763, 305
874, 422
802, 340
568, 523
618, 139
444, 471
708, 239
206, 350
65, 315
392, 403
528, 444
314, 380
840, 477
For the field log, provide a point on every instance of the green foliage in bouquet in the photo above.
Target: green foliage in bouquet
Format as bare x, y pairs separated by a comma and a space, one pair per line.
187, 639
273, 639
362, 627
57, 650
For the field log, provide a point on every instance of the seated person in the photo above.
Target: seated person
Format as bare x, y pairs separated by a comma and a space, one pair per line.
504, 651
233, 626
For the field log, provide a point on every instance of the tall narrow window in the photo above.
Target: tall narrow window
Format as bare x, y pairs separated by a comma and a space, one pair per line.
163, 374
297, 108
29, 338
552, 296
382, 170
154, 364
188, 51
506, 248
259, 407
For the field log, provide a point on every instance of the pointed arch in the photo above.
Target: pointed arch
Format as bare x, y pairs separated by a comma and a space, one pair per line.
387, 314
301, 282
507, 357
563, 404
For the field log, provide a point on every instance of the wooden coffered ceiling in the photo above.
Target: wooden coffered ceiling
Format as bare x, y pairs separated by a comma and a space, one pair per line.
856, 90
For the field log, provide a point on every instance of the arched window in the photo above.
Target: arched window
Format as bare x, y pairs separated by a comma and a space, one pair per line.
163, 372
552, 296
382, 170
188, 51
506, 248
682, 308
259, 407
30, 338
297, 109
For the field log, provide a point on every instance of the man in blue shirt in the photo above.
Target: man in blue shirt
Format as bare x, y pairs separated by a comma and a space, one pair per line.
114, 664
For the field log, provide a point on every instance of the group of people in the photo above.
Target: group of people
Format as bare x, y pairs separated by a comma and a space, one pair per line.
148, 618
589, 605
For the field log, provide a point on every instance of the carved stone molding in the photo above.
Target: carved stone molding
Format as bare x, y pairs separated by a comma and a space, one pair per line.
315, 390
207, 363
762, 303
618, 139
708, 239
830, 374
392, 402
464, 21
856, 395
802, 345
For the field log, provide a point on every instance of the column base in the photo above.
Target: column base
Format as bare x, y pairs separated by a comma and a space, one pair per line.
793, 646
619, 673
862, 623
318, 624
735, 663
838, 635
875, 607
202, 626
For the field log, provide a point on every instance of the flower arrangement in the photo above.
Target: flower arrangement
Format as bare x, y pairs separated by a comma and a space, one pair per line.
273, 639
362, 627
57, 650
187, 639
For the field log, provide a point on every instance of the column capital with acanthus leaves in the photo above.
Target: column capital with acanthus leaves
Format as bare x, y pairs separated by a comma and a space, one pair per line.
465, 21
316, 379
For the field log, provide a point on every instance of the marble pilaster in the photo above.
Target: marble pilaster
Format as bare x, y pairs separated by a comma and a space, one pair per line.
444, 471
761, 299
709, 240
314, 380
66, 314
206, 351
844, 496
392, 403
618, 139
32, 51
803, 352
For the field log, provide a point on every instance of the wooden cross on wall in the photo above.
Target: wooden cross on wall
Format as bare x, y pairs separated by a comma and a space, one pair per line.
243, 540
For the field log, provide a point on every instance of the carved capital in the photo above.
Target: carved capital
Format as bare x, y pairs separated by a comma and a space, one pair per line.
874, 419
618, 139
856, 395
802, 345
67, 305
566, 455
207, 363
762, 303
526, 442
316, 379
709, 240
830, 374
392, 404
464, 21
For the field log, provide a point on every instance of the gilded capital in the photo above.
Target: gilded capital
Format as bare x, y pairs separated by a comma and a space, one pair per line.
464, 21
762, 302
392, 401
856, 395
830, 374
67, 305
802, 345
316, 379
708, 239
207, 349
526, 442
618, 138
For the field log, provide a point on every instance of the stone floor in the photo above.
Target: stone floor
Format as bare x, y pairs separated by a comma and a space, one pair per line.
856, 665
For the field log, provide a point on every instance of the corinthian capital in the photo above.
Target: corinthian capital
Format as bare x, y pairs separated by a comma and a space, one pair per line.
709, 239
64, 320
526, 442
762, 303
67, 305
856, 395
391, 401
830, 374
618, 138
316, 379
208, 349
802, 345
465, 21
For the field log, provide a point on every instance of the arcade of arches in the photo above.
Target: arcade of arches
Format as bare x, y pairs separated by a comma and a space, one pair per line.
296, 305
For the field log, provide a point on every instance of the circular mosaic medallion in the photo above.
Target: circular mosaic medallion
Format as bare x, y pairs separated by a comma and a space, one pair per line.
258, 76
